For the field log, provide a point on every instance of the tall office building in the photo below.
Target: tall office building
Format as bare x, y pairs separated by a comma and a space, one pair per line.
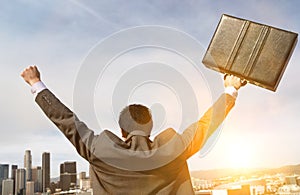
28, 164
37, 178
7, 187
3, 174
67, 175
45, 171
20, 181
13, 176
30, 188
13, 171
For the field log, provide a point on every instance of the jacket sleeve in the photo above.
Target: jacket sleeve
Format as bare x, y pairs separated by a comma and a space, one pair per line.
195, 136
75, 131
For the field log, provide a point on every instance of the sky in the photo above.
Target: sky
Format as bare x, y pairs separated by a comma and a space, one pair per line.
63, 37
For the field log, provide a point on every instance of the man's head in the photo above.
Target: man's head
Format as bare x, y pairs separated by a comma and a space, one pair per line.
135, 117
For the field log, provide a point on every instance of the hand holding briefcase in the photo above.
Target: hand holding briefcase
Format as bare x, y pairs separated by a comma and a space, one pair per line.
254, 52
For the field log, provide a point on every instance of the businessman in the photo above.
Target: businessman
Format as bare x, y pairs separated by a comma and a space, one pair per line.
135, 164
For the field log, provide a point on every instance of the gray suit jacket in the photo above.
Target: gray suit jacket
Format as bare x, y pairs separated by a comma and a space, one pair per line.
137, 165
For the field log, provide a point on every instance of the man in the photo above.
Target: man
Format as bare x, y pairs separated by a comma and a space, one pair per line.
135, 165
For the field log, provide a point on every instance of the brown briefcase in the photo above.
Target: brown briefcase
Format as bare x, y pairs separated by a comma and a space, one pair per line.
255, 52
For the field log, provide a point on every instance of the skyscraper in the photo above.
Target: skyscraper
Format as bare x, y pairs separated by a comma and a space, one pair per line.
13, 171
13, 176
28, 164
3, 174
46, 170
7, 187
67, 175
20, 181
29, 188
37, 178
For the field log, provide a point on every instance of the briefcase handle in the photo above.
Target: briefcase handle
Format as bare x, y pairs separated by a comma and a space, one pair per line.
243, 81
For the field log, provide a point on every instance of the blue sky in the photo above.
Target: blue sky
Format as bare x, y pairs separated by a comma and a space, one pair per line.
58, 36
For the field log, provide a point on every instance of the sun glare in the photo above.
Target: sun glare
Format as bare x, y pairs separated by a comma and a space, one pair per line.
240, 155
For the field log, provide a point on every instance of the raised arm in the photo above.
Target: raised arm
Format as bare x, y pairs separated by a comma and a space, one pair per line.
75, 130
195, 136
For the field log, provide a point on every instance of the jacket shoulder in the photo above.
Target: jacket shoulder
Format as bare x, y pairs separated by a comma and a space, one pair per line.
114, 139
165, 136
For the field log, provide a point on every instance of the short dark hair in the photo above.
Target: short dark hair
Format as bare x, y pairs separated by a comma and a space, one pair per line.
136, 117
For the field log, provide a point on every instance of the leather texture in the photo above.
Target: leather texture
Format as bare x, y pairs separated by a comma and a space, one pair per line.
252, 51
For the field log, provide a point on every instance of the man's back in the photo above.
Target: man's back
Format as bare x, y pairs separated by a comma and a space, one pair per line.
136, 165
108, 175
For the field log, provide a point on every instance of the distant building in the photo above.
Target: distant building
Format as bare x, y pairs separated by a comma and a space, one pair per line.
211, 192
4, 168
245, 190
37, 178
84, 182
291, 180
201, 184
298, 181
30, 188
7, 187
82, 175
13, 176
20, 181
291, 189
28, 164
54, 186
203, 192
45, 171
67, 175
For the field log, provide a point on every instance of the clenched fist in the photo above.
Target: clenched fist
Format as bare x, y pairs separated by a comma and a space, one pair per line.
31, 75
234, 81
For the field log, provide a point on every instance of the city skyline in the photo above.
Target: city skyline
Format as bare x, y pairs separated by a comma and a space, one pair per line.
36, 179
214, 181
45, 164
261, 131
